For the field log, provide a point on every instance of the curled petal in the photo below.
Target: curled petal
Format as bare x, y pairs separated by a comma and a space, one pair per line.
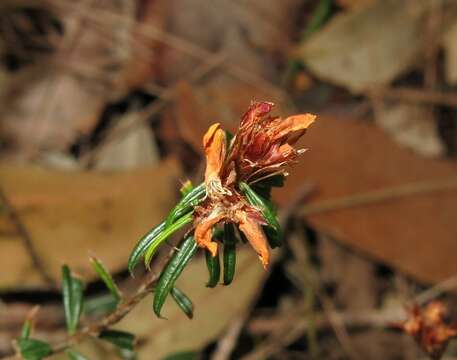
214, 144
255, 236
292, 124
203, 232
256, 111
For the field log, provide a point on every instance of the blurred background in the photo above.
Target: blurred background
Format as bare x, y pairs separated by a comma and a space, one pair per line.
103, 105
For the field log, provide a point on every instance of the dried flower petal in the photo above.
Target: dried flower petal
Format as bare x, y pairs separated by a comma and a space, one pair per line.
214, 144
203, 231
255, 236
292, 124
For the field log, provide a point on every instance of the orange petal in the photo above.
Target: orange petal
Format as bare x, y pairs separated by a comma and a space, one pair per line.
293, 123
255, 236
207, 138
214, 144
203, 233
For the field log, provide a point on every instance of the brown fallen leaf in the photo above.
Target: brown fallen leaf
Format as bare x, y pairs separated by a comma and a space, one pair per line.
69, 214
415, 234
351, 51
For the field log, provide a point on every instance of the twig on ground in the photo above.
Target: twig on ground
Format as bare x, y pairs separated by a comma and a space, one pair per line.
290, 327
367, 318
227, 343
374, 197
436, 291
415, 95
338, 326
26, 238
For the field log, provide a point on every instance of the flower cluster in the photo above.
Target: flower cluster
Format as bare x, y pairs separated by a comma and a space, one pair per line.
261, 148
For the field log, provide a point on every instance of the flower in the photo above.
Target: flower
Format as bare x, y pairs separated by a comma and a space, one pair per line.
427, 326
261, 148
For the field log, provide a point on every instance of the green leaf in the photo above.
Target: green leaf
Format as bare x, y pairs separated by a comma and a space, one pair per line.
106, 278
140, 248
164, 235
214, 269
183, 355
229, 253
122, 339
274, 238
187, 203
151, 236
72, 289
32, 349
183, 302
100, 305
75, 355
26, 329
172, 271
267, 211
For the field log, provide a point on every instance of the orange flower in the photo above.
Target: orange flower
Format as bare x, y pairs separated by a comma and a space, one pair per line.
261, 148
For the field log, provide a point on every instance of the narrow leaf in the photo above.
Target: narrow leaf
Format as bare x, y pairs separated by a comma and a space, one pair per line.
164, 235
148, 239
140, 248
267, 211
229, 253
274, 238
29, 322
172, 271
32, 349
186, 204
72, 289
183, 302
100, 305
214, 269
75, 355
122, 339
26, 329
106, 278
